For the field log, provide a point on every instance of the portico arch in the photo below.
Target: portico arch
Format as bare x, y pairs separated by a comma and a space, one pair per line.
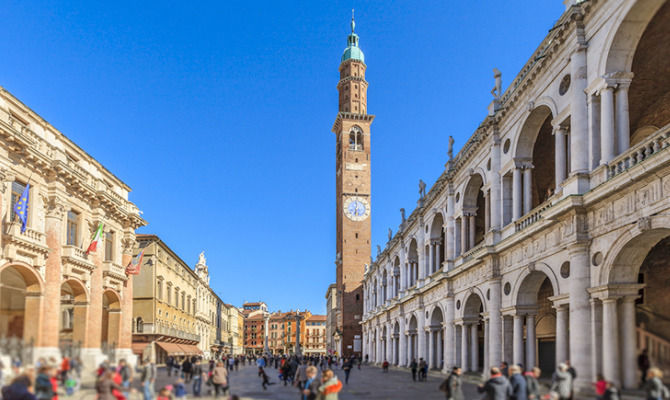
632, 301
535, 157
436, 339
111, 318
412, 339
21, 295
437, 243
396, 343
534, 290
473, 224
473, 346
74, 309
413, 263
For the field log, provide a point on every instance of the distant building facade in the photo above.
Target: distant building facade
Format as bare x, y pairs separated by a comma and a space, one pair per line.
333, 342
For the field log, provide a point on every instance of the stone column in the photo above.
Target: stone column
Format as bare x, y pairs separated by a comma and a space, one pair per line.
439, 253
496, 201
516, 196
421, 342
607, 142
433, 256
487, 351
464, 346
431, 347
560, 159
593, 103
622, 118
580, 314
402, 347
266, 333
495, 322
389, 343
464, 233
579, 140
518, 339
530, 341
561, 334
508, 333
596, 335
48, 345
628, 341
474, 347
451, 230
449, 334
527, 188
611, 360
471, 225
487, 211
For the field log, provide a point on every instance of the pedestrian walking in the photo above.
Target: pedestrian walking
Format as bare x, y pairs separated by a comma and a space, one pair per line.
105, 386
643, 364
347, 367
43, 387
385, 366
330, 386
654, 387
126, 376
198, 376
519, 390
180, 389
19, 389
497, 387
168, 364
600, 386
423, 370
311, 389
186, 367
611, 392
220, 379
452, 386
413, 366
562, 382
148, 377
573, 373
504, 369
64, 369
301, 375
532, 383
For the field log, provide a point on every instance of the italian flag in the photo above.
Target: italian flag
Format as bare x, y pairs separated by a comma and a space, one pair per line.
97, 238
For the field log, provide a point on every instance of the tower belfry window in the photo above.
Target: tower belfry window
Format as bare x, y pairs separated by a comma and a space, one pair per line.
356, 140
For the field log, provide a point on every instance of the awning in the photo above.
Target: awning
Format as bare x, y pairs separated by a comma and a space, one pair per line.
171, 348
190, 350
138, 348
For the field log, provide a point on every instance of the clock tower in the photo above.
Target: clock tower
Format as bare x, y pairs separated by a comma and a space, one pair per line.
352, 166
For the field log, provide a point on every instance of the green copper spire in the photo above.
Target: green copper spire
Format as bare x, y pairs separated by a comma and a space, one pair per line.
353, 51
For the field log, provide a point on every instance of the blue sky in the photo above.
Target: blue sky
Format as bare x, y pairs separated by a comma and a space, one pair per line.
218, 114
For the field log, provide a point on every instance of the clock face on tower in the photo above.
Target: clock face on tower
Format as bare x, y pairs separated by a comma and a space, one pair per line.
356, 208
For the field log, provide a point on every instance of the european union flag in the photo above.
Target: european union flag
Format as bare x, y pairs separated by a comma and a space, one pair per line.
21, 208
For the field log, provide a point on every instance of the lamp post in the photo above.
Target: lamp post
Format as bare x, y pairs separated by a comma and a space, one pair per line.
298, 351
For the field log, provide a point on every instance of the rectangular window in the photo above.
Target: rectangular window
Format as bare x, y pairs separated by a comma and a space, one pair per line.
109, 246
72, 227
17, 191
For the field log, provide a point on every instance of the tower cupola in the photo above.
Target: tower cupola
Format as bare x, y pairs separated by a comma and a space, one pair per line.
353, 52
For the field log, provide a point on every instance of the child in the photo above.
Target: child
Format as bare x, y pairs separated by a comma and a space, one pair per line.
180, 389
601, 386
70, 385
611, 393
165, 394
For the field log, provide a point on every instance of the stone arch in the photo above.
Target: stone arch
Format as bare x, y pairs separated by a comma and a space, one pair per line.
631, 22
74, 307
539, 271
21, 295
413, 262
474, 211
111, 317
535, 149
473, 303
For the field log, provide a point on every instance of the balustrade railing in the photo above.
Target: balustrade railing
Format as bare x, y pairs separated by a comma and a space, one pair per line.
655, 143
658, 349
531, 217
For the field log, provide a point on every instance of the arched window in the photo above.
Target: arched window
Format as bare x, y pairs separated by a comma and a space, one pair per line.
140, 325
356, 139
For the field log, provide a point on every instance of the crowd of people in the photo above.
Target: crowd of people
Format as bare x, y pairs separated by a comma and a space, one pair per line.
513, 383
303, 373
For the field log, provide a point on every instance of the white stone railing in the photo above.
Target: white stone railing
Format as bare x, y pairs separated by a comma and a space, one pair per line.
31, 235
74, 251
658, 348
652, 145
468, 254
531, 217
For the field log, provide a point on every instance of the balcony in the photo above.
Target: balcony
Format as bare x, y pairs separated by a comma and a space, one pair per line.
76, 259
532, 216
174, 332
30, 242
652, 145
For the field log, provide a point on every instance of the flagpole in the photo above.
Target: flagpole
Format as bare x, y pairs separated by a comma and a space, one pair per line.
11, 223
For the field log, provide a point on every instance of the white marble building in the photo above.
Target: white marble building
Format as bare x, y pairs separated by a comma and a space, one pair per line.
544, 240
